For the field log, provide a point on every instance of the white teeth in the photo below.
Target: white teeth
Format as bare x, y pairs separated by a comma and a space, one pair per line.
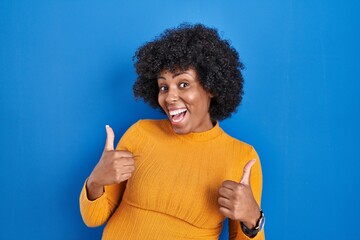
178, 111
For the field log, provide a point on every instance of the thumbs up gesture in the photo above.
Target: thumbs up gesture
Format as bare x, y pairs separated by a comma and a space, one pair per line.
113, 167
237, 201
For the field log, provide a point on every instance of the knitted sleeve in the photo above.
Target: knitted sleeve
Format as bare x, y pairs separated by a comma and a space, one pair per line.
235, 230
98, 211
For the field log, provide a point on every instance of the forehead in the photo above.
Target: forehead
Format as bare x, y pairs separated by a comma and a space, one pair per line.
166, 73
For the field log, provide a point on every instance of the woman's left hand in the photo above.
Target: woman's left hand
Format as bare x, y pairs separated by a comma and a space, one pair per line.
237, 201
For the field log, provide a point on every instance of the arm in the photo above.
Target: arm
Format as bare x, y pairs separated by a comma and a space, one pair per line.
97, 212
102, 192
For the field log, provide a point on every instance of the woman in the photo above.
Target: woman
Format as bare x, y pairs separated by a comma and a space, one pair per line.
179, 178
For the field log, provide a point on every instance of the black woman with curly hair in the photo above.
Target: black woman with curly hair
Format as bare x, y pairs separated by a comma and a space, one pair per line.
180, 177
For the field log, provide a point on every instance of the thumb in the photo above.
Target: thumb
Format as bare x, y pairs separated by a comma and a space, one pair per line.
110, 137
247, 170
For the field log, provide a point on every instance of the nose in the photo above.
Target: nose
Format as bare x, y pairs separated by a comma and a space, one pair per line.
172, 95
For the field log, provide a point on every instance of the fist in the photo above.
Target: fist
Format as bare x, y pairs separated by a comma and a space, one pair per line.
237, 201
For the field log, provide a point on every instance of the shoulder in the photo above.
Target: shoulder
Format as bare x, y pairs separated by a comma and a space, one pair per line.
151, 126
237, 142
239, 146
141, 132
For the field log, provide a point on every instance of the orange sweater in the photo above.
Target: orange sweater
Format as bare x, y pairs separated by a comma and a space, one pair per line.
173, 192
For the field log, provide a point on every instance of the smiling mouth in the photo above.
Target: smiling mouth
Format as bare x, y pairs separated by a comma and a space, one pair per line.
177, 115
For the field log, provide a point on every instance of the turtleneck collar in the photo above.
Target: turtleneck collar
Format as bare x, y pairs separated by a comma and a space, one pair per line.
197, 136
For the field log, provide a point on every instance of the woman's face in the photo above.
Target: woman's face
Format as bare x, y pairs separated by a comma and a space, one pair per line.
185, 101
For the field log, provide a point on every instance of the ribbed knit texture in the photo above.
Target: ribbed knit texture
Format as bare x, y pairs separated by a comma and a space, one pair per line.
173, 192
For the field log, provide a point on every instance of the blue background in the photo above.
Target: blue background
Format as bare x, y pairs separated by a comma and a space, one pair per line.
66, 71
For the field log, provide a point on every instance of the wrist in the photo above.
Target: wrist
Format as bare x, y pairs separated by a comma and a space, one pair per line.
92, 183
252, 232
94, 190
251, 223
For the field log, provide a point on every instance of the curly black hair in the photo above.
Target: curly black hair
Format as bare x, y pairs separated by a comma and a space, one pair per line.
192, 46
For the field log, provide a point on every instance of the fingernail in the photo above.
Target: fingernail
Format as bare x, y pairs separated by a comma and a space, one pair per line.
107, 126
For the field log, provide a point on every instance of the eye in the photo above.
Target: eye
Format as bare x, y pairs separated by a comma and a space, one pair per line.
162, 88
184, 84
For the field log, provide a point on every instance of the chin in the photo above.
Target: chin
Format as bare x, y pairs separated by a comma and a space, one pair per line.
180, 130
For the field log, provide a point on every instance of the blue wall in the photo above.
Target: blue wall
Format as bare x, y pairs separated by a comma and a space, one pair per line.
66, 71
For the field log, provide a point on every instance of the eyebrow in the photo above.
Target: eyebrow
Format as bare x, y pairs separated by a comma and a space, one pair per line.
176, 74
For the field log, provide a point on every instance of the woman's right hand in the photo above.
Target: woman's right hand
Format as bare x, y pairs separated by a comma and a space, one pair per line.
113, 167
